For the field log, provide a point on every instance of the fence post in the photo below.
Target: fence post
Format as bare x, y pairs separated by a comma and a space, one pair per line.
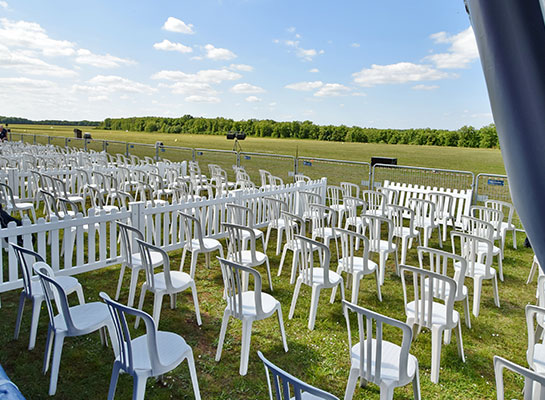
295, 167
193, 155
105, 146
127, 153
49, 140
474, 186
298, 210
85, 145
34, 138
157, 151
65, 142
238, 159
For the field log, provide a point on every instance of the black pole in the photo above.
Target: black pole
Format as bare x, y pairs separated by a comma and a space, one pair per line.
511, 40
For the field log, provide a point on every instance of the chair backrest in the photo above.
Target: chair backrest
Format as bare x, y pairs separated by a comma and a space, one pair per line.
530, 377
402, 217
295, 225
376, 201
50, 203
301, 178
306, 199
240, 215
348, 255
391, 194
60, 186
323, 217
235, 241
50, 184
275, 208
334, 195
506, 208
444, 205
192, 230
7, 194
350, 189
308, 260
352, 204
478, 227
275, 181
287, 387
533, 313
145, 254
232, 273
428, 286
25, 268
377, 228
264, 175
53, 291
492, 215
445, 263
128, 233
424, 212
370, 326
126, 355
467, 246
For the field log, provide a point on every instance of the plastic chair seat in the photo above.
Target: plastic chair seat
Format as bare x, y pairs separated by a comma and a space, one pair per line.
257, 232
383, 246
479, 269
68, 283
483, 248
268, 303
318, 277
179, 280
325, 233
405, 232
438, 316
246, 257
389, 370
171, 349
156, 259
85, 317
447, 290
358, 265
209, 244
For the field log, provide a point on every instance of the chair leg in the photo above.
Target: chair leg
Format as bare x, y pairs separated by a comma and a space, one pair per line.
193, 374
20, 310
355, 288
382, 266
466, 312
351, 385
79, 293
132, 288
460, 341
404, 249
139, 387
282, 330
279, 233
440, 236
224, 323
194, 255
294, 267
55, 363
334, 290
48, 348
515, 238
267, 236
436, 342
269, 273
36, 306
377, 276
120, 281
183, 259
294, 298
140, 305
196, 302
496, 291
500, 264
157, 304
533, 269
284, 251
113, 381
386, 392
416, 383
477, 286
313, 306
245, 347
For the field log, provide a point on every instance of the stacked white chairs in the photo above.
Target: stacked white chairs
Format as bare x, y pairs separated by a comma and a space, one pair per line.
274, 213
479, 269
241, 249
507, 225
531, 379
376, 202
64, 193
314, 272
68, 321
285, 385
132, 259
355, 262
294, 226
444, 210
242, 215
150, 355
425, 218
33, 291
404, 230
451, 265
376, 360
324, 222
378, 227
196, 243
479, 227
423, 311
247, 306
163, 283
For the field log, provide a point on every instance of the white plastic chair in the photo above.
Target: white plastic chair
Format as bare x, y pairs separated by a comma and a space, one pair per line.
13, 204
274, 213
493, 216
69, 322
391, 195
404, 230
350, 190
467, 246
535, 267
353, 214
294, 226
150, 355
324, 222
425, 218
376, 202
132, 259
195, 243
356, 266
247, 306
535, 354
284, 384
317, 277
334, 199
237, 236
376, 360
531, 379
444, 210
448, 264
242, 215
376, 227
507, 225
163, 283
32, 290
306, 199
424, 312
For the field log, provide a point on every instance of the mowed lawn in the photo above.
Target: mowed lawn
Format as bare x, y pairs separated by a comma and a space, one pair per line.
321, 356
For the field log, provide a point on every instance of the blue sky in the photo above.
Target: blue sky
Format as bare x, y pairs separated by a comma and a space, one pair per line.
386, 64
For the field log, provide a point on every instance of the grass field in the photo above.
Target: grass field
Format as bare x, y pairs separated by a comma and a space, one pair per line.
319, 357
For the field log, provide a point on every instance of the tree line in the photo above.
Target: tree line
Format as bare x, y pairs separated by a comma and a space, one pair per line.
25, 121
466, 136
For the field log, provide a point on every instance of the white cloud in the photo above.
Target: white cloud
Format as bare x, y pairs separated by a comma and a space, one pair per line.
246, 88
241, 67
22, 63
192, 89
273, 104
402, 72
106, 84
461, 52
176, 25
4, 4
85, 56
305, 54
314, 70
25, 84
332, 90
202, 99
355, 45
99, 98
204, 76
425, 87
252, 99
32, 36
304, 86
217, 53
291, 29
167, 45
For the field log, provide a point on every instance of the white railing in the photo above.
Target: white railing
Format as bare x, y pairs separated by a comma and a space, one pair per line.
80, 244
